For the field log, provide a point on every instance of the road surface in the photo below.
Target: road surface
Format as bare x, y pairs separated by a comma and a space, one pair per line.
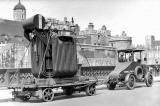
140, 96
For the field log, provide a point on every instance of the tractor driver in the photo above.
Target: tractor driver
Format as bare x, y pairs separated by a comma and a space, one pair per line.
131, 58
121, 58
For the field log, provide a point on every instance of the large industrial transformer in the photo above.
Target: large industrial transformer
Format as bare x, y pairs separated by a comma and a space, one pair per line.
52, 55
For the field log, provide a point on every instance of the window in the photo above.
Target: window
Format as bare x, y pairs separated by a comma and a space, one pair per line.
112, 44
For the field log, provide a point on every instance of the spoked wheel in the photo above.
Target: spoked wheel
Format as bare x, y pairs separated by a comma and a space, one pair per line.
130, 81
47, 95
90, 90
68, 91
111, 86
149, 79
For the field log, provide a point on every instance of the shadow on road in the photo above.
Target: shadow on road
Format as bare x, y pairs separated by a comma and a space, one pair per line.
59, 97
125, 88
157, 81
140, 86
5, 100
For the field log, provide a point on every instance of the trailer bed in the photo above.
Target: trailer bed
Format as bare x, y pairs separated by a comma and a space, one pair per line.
77, 83
23, 78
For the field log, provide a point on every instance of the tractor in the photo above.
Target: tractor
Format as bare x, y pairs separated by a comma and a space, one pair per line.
130, 69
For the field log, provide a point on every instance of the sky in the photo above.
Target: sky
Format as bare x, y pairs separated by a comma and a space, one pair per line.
137, 17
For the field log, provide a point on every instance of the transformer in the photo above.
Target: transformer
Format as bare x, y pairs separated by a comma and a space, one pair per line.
52, 55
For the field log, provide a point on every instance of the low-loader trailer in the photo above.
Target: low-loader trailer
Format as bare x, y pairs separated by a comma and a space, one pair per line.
54, 64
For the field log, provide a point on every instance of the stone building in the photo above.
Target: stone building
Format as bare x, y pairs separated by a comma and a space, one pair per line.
100, 46
19, 12
103, 37
95, 37
121, 42
149, 40
96, 55
14, 50
152, 50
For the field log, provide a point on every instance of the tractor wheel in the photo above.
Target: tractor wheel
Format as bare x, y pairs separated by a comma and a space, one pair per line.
90, 90
25, 98
130, 81
138, 72
149, 79
111, 86
68, 91
47, 95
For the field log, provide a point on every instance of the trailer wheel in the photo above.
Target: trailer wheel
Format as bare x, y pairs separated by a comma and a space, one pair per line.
13, 98
130, 81
14, 95
90, 90
111, 86
47, 95
68, 91
149, 79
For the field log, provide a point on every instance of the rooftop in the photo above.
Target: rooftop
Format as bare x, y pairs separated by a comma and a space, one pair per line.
12, 31
19, 6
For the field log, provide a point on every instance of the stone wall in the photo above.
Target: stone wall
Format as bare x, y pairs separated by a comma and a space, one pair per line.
14, 56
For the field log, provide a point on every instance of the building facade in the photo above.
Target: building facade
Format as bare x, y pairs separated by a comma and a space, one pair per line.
100, 46
95, 37
19, 12
121, 41
103, 37
153, 50
14, 50
96, 55
149, 40
14, 55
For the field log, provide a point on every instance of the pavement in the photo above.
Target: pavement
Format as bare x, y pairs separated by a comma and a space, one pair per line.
156, 79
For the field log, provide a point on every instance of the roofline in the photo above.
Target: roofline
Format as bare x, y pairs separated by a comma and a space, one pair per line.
130, 50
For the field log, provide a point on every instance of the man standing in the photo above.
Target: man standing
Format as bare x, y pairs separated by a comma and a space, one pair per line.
156, 69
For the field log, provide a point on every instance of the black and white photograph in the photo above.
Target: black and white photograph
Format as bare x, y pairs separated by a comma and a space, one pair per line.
80, 52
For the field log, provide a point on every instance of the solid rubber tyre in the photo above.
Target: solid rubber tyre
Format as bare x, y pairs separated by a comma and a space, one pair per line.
90, 90
25, 98
111, 86
47, 95
130, 81
138, 72
149, 79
